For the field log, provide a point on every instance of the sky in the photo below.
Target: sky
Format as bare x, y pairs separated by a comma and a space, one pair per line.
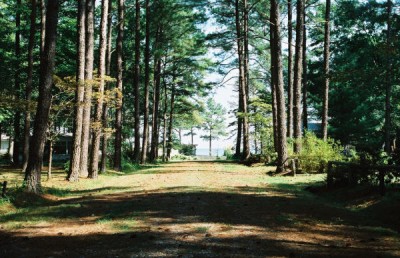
224, 95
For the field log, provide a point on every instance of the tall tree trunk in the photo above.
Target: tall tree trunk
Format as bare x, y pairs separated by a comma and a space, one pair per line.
42, 25
290, 72
171, 120
146, 85
164, 156
245, 86
89, 60
28, 90
120, 69
273, 91
36, 148
209, 144
50, 159
17, 86
240, 92
73, 174
305, 90
104, 145
97, 130
246, 54
239, 127
388, 108
156, 101
325, 103
276, 56
298, 72
136, 84
242, 84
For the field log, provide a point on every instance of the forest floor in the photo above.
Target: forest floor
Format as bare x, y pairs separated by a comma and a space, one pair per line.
197, 209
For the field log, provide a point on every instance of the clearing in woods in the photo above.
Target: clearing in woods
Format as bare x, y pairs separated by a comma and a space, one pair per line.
193, 209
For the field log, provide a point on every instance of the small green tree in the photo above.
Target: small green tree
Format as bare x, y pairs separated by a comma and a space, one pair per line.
214, 122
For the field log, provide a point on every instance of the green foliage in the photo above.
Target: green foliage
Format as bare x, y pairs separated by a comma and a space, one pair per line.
188, 149
66, 166
228, 153
129, 167
214, 121
260, 116
316, 153
359, 65
183, 157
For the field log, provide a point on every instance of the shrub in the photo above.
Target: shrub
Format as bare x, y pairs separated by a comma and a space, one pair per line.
228, 153
66, 166
129, 167
188, 150
316, 153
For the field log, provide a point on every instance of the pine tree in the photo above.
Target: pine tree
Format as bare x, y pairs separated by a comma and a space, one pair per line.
73, 174
97, 130
47, 61
120, 69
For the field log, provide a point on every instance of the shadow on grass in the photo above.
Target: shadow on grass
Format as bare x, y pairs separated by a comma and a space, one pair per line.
180, 207
156, 244
174, 214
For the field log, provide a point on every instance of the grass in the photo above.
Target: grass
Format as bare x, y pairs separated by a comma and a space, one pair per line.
201, 230
19, 210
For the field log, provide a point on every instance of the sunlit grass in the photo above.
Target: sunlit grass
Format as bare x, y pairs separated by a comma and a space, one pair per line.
202, 230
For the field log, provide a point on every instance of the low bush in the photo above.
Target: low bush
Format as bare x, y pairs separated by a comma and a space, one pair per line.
316, 153
129, 167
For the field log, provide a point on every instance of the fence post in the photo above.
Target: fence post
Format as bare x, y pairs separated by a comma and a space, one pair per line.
293, 163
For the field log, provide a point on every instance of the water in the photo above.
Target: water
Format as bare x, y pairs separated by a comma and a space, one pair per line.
214, 152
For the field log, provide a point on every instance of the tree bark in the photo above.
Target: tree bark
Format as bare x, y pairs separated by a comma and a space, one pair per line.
325, 104
305, 82
97, 130
240, 92
245, 86
42, 24
36, 148
50, 159
17, 85
156, 104
74, 170
120, 69
242, 86
290, 72
276, 56
171, 119
164, 156
209, 144
89, 60
273, 91
239, 127
388, 108
28, 90
146, 86
104, 145
136, 85
298, 72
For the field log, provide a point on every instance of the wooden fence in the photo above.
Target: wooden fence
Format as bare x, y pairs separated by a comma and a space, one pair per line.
353, 172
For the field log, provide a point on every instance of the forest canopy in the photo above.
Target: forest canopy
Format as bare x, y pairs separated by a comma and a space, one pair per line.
127, 79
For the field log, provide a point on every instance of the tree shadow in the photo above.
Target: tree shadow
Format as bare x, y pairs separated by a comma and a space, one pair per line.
175, 214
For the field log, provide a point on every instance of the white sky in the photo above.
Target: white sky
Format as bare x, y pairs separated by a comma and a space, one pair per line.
224, 95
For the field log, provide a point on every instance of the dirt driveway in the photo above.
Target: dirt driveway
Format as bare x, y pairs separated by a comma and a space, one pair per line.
192, 209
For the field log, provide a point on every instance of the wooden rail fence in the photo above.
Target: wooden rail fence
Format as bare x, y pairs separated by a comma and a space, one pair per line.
359, 169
